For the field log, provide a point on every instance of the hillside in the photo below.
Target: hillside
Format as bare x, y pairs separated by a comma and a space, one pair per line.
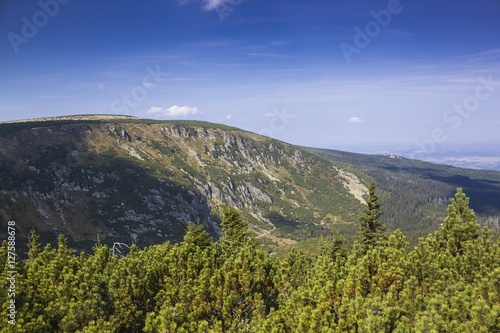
123, 179
131, 180
415, 193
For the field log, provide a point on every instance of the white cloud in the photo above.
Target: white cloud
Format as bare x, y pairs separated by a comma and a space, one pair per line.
269, 114
356, 120
226, 118
209, 5
175, 111
155, 110
212, 4
100, 86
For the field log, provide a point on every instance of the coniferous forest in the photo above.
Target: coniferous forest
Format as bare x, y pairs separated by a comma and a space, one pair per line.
449, 282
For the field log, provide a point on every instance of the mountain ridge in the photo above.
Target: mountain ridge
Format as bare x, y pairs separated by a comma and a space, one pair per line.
137, 180
144, 180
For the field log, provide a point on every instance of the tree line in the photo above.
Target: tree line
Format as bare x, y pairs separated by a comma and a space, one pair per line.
449, 282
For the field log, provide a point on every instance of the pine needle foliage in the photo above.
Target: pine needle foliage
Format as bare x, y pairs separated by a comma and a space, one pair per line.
450, 282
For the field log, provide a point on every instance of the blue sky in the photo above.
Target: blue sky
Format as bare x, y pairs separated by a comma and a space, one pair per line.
318, 73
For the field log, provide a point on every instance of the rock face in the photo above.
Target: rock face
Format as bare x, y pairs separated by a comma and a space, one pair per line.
144, 181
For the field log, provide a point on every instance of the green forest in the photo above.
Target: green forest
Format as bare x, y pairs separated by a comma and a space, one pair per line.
448, 282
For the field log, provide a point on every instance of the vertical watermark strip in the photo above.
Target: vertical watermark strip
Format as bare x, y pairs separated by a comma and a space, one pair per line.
11, 272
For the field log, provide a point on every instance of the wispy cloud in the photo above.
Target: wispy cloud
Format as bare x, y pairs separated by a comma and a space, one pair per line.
279, 42
356, 120
58, 97
271, 55
212, 4
209, 5
224, 8
226, 118
488, 55
396, 33
175, 111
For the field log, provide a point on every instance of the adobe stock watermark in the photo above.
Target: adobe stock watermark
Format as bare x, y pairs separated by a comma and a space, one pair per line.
11, 273
279, 121
139, 93
30, 28
363, 37
454, 117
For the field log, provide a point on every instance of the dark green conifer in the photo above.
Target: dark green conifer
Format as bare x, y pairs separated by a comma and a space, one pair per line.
371, 231
197, 235
234, 226
460, 225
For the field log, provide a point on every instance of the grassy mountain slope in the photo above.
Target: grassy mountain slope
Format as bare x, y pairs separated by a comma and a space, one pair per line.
141, 180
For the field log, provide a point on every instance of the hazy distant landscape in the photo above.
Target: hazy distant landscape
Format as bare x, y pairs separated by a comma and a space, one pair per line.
478, 156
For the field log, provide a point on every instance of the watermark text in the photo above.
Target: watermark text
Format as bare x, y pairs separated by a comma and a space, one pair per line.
11, 272
30, 27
